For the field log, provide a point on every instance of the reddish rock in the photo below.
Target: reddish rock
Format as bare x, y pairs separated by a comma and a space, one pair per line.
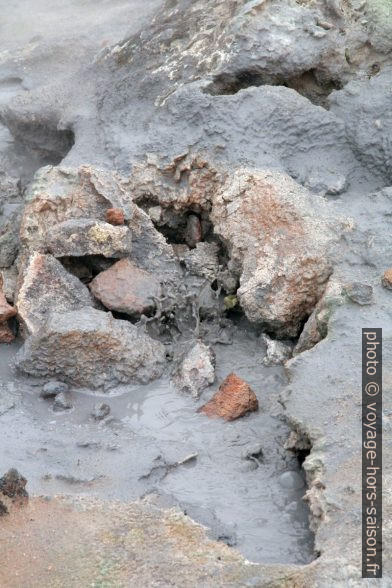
124, 287
6, 335
234, 399
386, 280
115, 216
6, 310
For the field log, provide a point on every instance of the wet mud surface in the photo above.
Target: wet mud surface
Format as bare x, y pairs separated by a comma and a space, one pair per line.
236, 479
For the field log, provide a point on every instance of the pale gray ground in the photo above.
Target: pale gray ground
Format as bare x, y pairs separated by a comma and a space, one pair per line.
180, 88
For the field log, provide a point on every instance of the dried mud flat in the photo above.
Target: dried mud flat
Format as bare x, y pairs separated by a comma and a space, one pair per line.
194, 196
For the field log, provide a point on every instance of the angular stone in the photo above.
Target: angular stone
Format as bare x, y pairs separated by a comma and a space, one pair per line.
79, 237
13, 484
359, 293
47, 287
89, 348
60, 194
234, 399
195, 370
126, 288
386, 280
52, 388
277, 351
115, 216
9, 239
100, 411
278, 236
62, 402
6, 310
316, 327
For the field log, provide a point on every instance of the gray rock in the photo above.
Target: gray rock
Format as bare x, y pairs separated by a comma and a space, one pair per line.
359, 293
71, 345
277, 351
326, 182
88, 237
52, 388
9, 239
46, 287
100, 411
195, 369
291, 480
62, 402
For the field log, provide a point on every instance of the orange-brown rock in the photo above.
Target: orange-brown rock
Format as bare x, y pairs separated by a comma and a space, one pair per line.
6, 334
124, 287
6, 310
386, 280
115, 216
234, 399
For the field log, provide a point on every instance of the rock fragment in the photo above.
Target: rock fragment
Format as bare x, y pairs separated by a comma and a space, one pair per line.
13, 485
234, 399
359, 293
62, 402
79, 237
277, 351
100, 411
126, 288
89, 348
278, 236
47, 287
386, 280
195, 370
52, 388
115, 216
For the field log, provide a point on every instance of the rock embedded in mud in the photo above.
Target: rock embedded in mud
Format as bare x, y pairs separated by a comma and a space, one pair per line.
47, 287
126, 288
316, 327
61, 194
386, 280
359, 293
115, 216
100, 411
89, 348
280, 236
277, 351
13, 485
195, 370
234, 399
62, 402
52, 388
79, 237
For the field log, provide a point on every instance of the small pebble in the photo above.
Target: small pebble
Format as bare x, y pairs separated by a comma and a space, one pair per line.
386, 280
361, 294
100, 411
62, 402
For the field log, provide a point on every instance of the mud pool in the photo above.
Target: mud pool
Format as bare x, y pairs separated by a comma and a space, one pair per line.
235, 485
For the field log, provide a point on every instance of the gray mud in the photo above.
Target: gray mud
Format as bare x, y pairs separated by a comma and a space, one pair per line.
229, 486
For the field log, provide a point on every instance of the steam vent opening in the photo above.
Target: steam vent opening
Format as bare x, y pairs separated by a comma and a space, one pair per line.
309, 84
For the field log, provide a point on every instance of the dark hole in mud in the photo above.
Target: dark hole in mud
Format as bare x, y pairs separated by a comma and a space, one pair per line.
28, 147
85, 268
310, 84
